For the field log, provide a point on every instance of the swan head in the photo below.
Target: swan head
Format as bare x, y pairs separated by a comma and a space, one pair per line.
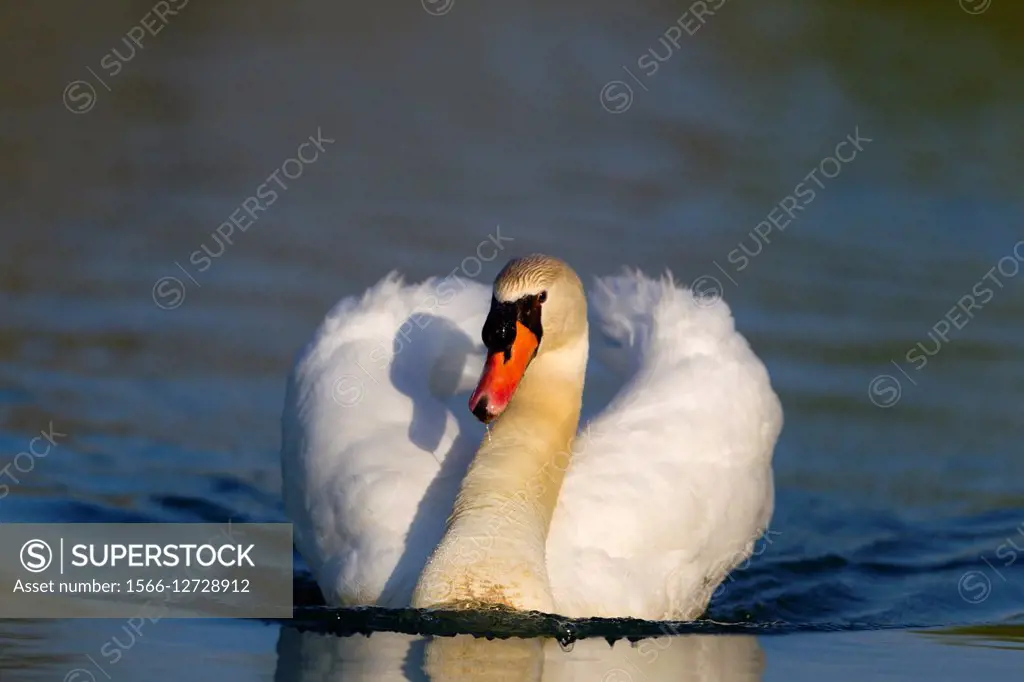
538, 307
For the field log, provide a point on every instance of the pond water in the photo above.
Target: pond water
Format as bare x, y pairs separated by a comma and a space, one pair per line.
878, 279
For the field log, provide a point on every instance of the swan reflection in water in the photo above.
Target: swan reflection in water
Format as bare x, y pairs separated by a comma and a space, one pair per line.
383, 656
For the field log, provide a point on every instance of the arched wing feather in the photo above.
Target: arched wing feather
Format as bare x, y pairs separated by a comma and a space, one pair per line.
670, 485
375, 437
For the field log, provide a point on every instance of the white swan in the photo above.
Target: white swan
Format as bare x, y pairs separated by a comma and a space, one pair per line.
642, 515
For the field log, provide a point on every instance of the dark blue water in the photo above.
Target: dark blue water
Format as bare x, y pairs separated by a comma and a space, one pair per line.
899, 497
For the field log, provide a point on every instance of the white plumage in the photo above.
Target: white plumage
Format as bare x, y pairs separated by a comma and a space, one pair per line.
668, 487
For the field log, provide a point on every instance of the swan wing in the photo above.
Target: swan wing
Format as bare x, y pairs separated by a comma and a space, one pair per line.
669, 487
375, 439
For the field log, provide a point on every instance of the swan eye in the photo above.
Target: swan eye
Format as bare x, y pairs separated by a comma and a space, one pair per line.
543, 297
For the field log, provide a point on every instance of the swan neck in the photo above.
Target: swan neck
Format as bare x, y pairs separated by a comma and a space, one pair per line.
493, 549
522, 462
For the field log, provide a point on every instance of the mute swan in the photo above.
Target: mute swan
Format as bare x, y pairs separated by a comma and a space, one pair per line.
641, 514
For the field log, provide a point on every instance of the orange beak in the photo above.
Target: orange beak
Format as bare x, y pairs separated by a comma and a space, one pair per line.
503, 371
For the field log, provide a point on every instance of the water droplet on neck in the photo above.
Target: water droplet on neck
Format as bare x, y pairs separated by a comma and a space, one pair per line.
488, 428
